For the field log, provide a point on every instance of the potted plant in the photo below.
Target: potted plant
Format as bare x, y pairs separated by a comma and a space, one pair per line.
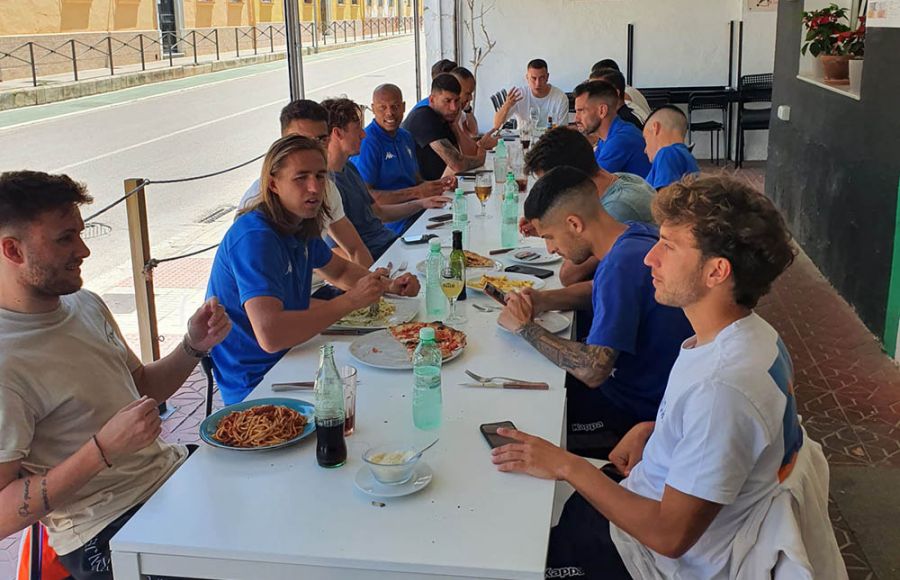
822, 30
854, 46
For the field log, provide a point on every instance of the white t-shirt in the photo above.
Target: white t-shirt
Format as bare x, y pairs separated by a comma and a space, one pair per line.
720, 435
638, 103
63, 375
556, 103
332, 200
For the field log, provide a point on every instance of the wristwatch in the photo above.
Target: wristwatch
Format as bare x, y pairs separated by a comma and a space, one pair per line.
190, 350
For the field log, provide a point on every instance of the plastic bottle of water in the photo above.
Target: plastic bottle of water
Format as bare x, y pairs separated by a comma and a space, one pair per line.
427, 400
500, 157
509, 226
461, 214
435, 301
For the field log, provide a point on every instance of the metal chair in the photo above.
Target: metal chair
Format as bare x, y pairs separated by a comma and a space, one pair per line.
656, 98
497, 99
708, 102
207, 364
752, 89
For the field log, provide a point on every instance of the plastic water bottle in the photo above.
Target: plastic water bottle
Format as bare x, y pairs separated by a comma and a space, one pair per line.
500, 157
511, 187
435, 301
331, 449
461, 214
509, 226
427, 400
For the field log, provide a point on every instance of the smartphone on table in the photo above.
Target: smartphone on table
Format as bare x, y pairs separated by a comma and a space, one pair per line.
417, 238
489, 430
446, 217
495, 293
529, 270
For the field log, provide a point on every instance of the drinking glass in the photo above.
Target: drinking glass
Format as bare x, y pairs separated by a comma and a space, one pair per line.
348, 378
452, 285
525, 135
484, 183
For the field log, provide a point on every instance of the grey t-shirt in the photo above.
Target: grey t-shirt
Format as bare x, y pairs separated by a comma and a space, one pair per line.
628, 199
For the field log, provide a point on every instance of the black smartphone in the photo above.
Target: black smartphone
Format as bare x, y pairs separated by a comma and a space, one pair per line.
530, 270
495, 293
444, 217
417, 239
489, 430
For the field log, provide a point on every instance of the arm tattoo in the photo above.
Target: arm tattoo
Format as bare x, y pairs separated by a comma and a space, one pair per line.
591, 364
452, 155
24, 511
45, 496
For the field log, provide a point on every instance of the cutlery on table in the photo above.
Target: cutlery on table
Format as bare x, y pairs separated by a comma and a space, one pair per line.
509, 382
481, 308
500, 251
295, 386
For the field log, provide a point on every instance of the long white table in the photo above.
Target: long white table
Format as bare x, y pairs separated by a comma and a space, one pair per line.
276, 514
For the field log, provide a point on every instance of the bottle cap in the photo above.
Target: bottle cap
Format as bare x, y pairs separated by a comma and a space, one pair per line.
426, 333
459, 192
434, 244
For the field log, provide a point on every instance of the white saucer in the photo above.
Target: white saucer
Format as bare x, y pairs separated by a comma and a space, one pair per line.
420, 479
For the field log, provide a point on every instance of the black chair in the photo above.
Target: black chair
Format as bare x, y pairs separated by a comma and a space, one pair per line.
497, 99
708, 102
571, 97
752, 89
656, 98
207, 364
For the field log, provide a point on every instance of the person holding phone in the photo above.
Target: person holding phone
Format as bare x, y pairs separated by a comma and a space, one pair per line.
262, 270
619, 376
703, 477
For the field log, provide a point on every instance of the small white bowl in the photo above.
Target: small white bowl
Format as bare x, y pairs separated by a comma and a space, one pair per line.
392, 464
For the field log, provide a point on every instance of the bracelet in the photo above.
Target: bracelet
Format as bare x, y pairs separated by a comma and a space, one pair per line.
191, 351
100, 449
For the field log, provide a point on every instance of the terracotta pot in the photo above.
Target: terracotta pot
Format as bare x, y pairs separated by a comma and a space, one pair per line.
837, 69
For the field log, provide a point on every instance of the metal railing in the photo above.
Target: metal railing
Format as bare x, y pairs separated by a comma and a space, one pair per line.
198, 42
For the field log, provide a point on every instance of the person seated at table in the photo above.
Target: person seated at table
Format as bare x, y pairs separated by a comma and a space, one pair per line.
310, 119
617, 79
705, 472
432, 127
387, 158
625, 197
366, 215
620, 145
633, 340
664, 134
466, 126
633, 96
263, 269
443, 66
79, 421
539, 95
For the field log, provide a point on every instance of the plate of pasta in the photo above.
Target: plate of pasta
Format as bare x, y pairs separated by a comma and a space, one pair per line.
269, 423
390, 311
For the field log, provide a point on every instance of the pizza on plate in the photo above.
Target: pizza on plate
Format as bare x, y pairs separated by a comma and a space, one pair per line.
503, 283
474, 260
449, 340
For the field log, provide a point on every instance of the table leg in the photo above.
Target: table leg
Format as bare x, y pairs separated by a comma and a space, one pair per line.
126, 566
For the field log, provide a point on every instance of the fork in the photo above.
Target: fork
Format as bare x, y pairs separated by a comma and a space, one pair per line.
400, 270
481, 308
373, 309
482, 379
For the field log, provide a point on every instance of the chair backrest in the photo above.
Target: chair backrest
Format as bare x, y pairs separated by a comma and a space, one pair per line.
571, 102
703, 101
656, 98
497, 99
755, 88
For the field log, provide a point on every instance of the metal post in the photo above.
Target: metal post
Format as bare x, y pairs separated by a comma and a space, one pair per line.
255, 40
74, 59
271, 40
194, 44
630, 57
237, 43
33, 66
294, 37
145, 301
171, 46
418, 44
216, 37
143, 60
730, 53
315, 23
112, 69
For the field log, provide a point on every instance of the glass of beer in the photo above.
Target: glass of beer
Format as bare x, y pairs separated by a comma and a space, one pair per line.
484, 183
452, 284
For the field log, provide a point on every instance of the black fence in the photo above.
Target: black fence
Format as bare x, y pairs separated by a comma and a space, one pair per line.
196, 43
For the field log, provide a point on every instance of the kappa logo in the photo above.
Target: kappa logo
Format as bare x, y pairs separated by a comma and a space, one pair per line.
564, 572
389, 156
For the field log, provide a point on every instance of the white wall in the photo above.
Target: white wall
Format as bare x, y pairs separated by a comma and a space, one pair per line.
677, 42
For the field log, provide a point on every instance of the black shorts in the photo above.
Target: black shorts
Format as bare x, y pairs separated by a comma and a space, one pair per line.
581, 547
595, 423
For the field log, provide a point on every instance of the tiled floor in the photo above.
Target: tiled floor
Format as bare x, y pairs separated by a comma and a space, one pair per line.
847, 389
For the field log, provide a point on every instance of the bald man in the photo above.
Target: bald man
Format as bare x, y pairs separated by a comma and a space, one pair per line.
664, 134
387, 157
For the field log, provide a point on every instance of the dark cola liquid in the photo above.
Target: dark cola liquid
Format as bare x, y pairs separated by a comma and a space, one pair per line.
331, 449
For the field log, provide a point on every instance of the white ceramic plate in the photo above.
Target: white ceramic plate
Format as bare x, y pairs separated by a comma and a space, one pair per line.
366, 483
407, 309
553, 322
541, 256
536, 283
381, 350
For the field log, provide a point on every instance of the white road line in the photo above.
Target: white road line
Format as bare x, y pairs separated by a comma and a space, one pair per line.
184, 89
218, 120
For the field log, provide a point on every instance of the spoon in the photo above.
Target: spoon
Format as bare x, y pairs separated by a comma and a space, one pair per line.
427, 447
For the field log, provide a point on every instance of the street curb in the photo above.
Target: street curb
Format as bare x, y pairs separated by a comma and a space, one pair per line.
29, 96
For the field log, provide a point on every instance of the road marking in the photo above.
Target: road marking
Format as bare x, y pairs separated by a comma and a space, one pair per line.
219, 119
350, 51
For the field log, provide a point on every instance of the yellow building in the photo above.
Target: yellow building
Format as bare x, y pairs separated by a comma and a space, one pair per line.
39, 17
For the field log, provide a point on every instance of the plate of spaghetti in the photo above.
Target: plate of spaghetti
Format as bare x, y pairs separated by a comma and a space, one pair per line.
269, 423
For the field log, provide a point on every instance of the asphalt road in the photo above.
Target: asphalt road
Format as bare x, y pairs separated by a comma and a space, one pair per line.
181, 129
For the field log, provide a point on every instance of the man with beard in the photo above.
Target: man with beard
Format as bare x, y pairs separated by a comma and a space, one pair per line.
633, 340
79, 424
620, 145
437, 145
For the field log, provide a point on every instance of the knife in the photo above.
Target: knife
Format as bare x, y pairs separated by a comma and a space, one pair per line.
500, 251
510, 385
296, 386
347, 331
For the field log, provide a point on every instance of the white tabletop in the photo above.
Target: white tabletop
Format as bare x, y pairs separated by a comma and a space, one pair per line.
276, 514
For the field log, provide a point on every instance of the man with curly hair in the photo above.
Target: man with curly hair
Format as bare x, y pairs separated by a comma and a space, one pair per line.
727, 431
